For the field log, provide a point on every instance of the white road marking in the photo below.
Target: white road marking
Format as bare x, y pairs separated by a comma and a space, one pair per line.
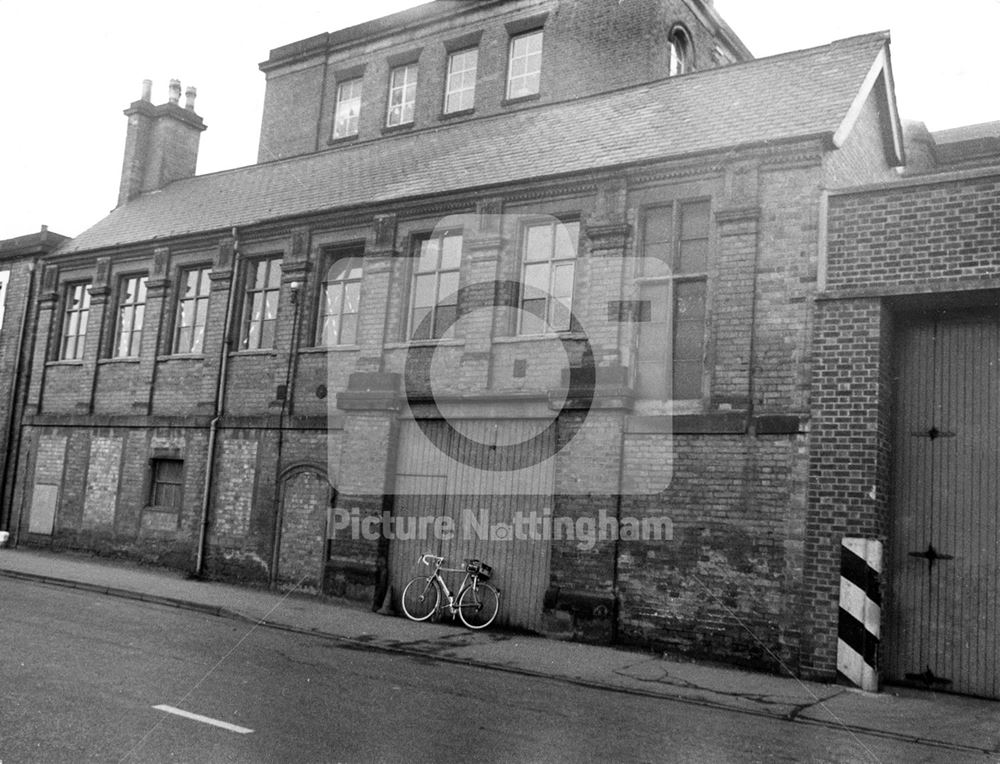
205, 719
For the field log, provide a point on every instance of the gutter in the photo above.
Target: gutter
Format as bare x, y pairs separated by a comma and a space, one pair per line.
213, 427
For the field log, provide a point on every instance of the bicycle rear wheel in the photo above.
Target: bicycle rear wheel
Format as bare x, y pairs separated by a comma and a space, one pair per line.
420, 598
478, 605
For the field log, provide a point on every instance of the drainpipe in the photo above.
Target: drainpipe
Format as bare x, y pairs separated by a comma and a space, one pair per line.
286, 410
213, 427
14, 406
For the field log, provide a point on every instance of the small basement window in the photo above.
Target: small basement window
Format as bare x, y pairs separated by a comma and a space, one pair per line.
167, 483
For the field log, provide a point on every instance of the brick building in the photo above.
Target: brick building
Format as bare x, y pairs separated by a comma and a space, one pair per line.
19, 259
903, 436
535, 258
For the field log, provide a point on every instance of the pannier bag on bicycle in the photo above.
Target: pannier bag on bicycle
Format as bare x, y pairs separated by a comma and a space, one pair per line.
479, 568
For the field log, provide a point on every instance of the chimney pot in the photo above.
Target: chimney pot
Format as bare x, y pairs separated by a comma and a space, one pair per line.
147, 90
175, 91
189, 95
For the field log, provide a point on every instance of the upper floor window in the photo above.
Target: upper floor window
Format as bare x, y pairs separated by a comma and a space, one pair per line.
673, 289
339, 302
75, 313
131, 311
434, 296
402, 95
680, 52
547, 276
262, 285
345, 118
192, 311
460, 91
524, 67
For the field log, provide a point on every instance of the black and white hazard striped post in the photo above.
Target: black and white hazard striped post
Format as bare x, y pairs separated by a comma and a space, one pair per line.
860, 621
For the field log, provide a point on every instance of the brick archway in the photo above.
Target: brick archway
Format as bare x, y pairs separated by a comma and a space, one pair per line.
305, 497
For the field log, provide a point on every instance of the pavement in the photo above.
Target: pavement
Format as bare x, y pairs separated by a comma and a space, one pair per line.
948, 722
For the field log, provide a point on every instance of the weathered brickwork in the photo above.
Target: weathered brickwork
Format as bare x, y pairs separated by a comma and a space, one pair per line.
237, 480
727, 581
49, 458
305, 497
103, 474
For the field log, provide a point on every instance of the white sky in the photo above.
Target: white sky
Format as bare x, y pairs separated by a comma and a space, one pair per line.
68, 68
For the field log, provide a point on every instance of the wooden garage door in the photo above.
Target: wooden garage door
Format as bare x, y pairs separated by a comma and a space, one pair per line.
430, 483
944, 610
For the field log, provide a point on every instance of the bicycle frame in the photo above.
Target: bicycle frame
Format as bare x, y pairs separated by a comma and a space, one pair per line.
439, 580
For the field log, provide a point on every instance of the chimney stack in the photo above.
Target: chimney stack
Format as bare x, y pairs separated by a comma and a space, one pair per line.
161, 144
189, 95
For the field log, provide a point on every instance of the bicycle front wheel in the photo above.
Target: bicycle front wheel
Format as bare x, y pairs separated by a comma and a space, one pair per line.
478, 605
420, 598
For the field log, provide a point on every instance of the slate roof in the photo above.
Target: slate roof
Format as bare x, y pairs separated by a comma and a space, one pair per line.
793, 95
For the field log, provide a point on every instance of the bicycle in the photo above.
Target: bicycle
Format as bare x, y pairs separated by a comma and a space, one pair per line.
477, 603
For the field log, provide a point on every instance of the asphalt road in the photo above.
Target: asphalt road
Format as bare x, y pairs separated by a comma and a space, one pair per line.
81, 675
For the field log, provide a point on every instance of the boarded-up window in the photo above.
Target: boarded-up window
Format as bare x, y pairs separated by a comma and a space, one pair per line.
167, 483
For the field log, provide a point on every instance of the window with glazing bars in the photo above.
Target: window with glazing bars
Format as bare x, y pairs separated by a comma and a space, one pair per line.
434, 294
192, 310
260, 303
548, 271
348, 109
460, 91
131, 312
673, 289
339, 302
402, 95
524, 65
75, 314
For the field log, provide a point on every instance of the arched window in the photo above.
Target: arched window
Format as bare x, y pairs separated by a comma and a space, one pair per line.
680, 51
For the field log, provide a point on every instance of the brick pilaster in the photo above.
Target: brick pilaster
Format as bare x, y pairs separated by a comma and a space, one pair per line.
157, 302
101, 294
46, 339
221, 278
380, 250
484, 248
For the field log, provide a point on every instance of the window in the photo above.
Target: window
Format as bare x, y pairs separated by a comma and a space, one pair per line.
680, 52
77, 309
547, 274
260, 303
167, 483
460, 91
192, 311
402, 95
339, 300
131, 311
524, 69
434, 296
673, 288
345, 118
